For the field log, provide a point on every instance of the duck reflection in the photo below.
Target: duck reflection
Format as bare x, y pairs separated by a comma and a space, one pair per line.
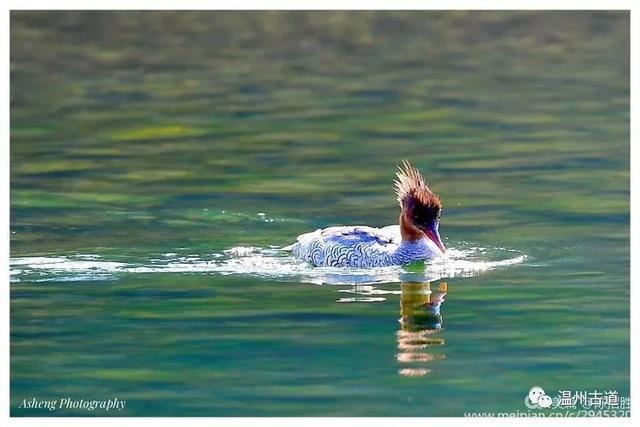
420, 336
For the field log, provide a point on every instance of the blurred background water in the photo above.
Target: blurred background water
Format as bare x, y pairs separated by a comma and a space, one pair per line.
157, 159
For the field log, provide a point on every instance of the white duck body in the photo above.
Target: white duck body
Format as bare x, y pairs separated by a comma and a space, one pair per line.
361, 246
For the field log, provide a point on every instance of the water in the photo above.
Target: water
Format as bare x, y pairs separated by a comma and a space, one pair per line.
159, 160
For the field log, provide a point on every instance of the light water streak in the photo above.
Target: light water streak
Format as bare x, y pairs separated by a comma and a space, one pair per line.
268, 264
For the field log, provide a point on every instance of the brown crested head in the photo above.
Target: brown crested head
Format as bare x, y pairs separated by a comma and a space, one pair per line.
414, 195
421, 207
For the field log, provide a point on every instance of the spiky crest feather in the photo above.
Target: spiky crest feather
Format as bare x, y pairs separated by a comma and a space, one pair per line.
410, 184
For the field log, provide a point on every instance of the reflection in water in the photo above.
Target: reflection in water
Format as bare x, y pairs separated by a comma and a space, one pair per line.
420, 327
365, 293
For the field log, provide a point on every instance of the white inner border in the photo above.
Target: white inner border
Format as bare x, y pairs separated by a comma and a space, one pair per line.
314, 5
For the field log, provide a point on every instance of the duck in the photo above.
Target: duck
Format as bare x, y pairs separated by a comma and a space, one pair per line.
414, 238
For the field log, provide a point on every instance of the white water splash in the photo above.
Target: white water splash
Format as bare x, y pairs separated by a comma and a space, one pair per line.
270, 264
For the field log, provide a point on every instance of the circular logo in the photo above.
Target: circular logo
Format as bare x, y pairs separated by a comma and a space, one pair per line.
536, 398
544, 401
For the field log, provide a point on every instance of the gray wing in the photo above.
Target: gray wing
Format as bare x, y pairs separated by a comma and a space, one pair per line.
347, 246
351, 235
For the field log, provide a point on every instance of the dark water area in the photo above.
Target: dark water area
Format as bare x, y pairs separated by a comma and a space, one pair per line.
159, 159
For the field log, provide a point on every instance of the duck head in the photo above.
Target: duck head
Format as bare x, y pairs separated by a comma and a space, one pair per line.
421, 207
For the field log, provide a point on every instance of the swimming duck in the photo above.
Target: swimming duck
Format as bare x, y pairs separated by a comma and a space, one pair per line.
416, 237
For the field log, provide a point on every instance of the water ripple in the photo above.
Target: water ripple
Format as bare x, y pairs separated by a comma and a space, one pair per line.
257, 262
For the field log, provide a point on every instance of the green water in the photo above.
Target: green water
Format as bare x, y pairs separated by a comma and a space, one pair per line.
145, 146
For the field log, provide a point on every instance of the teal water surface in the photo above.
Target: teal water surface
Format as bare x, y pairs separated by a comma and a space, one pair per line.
158, 160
